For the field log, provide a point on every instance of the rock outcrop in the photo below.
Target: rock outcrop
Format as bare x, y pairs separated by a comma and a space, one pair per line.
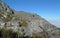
24, 25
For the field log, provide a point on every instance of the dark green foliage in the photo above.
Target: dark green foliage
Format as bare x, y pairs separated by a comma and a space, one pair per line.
1, 15
23, 37
4, 33
14, 35
0, 34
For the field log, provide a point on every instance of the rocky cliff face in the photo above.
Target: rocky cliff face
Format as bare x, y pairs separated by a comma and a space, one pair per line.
24, 25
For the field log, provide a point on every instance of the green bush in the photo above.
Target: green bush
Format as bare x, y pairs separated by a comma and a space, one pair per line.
4, 33
24, 23
38, 36
1, 15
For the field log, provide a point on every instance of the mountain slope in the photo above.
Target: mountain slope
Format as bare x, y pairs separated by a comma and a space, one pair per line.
24, 25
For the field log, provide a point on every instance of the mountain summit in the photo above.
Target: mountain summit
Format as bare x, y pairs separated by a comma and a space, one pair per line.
14, 24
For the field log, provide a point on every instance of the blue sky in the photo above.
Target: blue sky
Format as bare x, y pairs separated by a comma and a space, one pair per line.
48, 9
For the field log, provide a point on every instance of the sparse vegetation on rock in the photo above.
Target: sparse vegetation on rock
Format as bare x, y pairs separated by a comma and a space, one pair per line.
21, 24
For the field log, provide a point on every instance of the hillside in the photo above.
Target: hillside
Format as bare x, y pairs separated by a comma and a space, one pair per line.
20, 24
